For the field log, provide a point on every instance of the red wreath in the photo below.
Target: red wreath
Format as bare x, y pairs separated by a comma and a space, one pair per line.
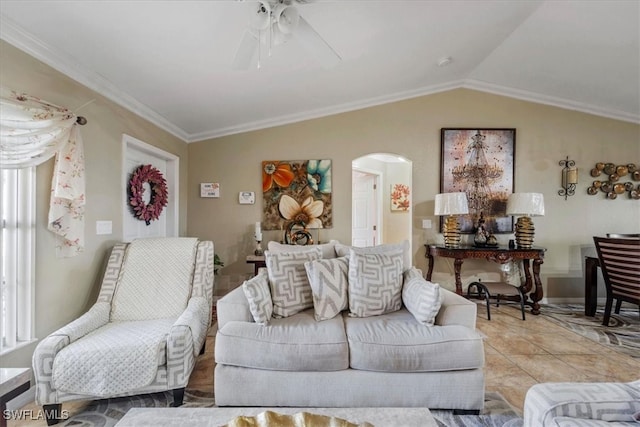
151, 211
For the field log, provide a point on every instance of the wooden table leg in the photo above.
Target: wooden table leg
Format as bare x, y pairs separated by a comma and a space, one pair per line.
590, 286
538, 293
430, 268
457, 266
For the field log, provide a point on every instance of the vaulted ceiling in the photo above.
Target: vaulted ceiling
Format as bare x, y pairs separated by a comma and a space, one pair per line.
172, 61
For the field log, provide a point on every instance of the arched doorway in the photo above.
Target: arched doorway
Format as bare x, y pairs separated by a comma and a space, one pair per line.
377, 216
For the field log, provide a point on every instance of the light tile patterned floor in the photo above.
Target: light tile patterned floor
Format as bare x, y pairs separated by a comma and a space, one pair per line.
518, 355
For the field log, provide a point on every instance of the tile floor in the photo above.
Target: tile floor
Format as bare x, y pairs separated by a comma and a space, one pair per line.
518, 354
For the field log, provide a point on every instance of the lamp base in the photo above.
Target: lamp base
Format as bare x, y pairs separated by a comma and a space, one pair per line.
451, 232
524, 232
258, 251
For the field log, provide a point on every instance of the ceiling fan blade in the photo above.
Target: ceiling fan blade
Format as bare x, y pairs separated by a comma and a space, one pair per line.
318, 46
246, 51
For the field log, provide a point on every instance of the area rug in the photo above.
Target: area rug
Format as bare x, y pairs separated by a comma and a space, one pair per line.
622, 334
107, 412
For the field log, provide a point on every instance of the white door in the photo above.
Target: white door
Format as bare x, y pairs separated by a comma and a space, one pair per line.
364, 221
138, 153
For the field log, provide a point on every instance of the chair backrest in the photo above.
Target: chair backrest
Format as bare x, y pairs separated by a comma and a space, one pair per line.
620, 263
155, 279
622, 236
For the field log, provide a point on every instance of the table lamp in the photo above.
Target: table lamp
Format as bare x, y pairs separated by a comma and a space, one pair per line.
527, 205
451, 204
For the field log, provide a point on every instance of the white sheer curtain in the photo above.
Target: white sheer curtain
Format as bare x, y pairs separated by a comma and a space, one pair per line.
31, 132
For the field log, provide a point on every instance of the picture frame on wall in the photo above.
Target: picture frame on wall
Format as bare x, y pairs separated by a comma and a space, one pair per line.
481, 163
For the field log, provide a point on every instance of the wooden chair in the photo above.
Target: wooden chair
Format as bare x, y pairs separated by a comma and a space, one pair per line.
620, 262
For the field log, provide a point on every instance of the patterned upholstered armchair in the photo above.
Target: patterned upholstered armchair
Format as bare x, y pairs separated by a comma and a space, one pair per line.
141, 336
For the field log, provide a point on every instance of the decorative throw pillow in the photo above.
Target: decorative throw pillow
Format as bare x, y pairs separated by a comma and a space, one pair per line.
290, 289
375, 283
343, 250
258, 294
328, 249
421, 297
329, 283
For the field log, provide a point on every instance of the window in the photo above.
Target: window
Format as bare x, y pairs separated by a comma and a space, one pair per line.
17, 241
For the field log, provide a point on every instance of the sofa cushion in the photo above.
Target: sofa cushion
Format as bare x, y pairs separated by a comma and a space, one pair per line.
115, 358
375, 283
396, 342
329, 284
290, 289
344, 250
258, 295
328, 249
295, 343
421, 297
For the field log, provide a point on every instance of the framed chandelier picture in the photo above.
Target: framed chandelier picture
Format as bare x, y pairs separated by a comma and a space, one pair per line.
480, 163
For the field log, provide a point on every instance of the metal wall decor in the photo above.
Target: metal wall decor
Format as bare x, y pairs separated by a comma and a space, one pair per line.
612, 186
569, 178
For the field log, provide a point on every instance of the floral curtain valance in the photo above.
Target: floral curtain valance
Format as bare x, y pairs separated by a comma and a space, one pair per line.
31, 132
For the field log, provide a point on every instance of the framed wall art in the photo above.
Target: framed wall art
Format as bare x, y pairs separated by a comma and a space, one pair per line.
297, 194
481, 163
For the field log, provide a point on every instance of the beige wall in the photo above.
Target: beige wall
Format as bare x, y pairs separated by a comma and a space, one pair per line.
66, 287
411, 128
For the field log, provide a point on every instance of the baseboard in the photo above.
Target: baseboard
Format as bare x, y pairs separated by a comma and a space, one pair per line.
569, 300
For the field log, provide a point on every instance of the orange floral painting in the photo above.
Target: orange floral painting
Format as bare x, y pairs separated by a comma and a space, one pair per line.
297, 191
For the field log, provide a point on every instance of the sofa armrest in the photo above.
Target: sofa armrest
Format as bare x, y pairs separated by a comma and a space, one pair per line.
456, 310
195, 320
234, 306
48, 348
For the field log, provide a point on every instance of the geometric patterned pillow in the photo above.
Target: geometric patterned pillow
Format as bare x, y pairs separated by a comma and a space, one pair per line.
290, 289
375, 283
344, 250
422, 298
258, 294
329, 283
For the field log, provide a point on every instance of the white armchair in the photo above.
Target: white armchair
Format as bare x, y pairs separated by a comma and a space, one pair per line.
141, 336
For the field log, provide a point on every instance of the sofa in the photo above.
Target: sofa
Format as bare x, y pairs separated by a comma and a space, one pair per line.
356, 343
571, 404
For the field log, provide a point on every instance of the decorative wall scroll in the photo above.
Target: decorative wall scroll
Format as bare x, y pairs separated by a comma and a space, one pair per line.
480, 162
612, 184
297, 191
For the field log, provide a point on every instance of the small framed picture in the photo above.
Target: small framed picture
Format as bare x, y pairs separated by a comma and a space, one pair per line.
209, 189
247, 197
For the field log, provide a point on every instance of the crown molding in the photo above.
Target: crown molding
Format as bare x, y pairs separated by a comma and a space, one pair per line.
328, 111
15, 35
550, 100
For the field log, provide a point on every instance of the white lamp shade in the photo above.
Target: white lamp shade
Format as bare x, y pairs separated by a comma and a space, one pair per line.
529, 204
451, 204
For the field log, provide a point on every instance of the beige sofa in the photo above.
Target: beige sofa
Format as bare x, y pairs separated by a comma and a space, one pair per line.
388, 360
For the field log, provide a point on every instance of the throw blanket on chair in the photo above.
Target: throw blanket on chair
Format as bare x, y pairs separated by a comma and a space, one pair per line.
129, 354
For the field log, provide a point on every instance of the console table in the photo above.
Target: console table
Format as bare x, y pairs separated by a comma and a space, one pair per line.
532, 288
258, 262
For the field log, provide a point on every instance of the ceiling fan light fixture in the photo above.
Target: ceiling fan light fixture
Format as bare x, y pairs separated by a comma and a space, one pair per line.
260, 17
287, 18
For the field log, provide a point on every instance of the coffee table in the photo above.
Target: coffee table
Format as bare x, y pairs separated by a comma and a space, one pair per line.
210, 417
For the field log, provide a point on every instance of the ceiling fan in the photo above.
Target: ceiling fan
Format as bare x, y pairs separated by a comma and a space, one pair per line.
274, 22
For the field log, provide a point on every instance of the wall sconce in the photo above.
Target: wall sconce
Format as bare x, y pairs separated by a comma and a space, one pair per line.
569, 178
